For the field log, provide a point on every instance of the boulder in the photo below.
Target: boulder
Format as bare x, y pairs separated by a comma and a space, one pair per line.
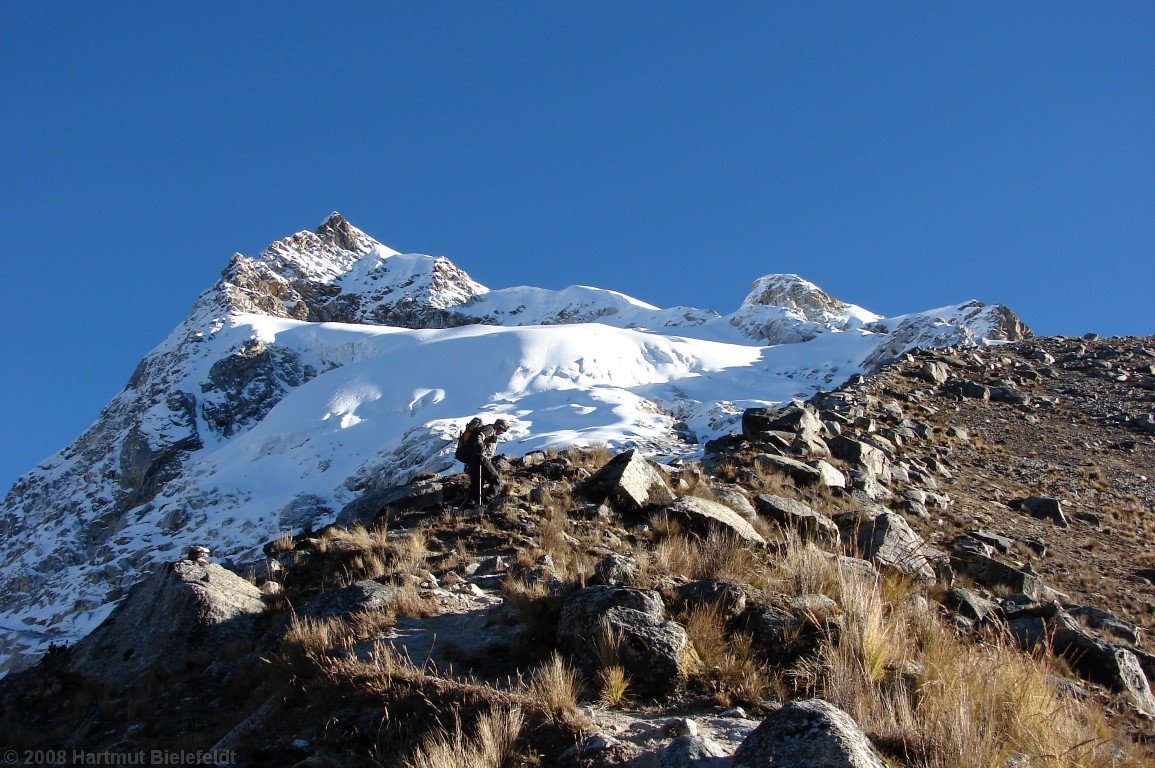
653, 651
888, 541
800, 473
1043, 508
630, 482
1001, 543
1027, 631
368, 508
830, 477
967, 604
866, 456
364, 595
796, 516
993, 574
1008, 395
810, 447
615, 569
582, 609
807, 734
704, 514
1097, 618
734, 498
182, 615
1104, 663
726, 595
965, 388
775, 632
934, 372
795, 419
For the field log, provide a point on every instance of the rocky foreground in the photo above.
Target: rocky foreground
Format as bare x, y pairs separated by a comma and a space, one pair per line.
944, 564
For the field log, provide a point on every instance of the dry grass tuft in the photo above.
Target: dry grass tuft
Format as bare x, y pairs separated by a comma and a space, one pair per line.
308, 642
555, 687
410, 551
592, 457
614, 684
729, 665
536, 605
283, 543
489, 746
804, 569
718, 556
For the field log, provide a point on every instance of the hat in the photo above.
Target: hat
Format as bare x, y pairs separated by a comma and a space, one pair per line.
502, 424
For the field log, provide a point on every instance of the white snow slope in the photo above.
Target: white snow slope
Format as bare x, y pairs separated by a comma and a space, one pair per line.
254, 417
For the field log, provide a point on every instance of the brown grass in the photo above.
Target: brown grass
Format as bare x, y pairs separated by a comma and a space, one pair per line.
490, 745
907, 679
718, 556
729, 666
555, 687
614, 686
536, 605
591, 457
310, 641
804, 569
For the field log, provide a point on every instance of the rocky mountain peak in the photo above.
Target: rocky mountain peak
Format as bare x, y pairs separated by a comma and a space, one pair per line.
787, 309
794, 294
339, 233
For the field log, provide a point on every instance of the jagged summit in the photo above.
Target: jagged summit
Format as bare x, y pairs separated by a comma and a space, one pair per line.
337, 231
329, 365
782, 309
795, 294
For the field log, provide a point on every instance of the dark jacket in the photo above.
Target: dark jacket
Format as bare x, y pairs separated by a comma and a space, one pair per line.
482, 444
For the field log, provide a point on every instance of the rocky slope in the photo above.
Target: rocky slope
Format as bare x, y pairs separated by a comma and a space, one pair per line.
942, 563
317, 371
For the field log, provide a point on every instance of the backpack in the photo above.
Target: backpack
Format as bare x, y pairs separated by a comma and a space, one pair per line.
464, 452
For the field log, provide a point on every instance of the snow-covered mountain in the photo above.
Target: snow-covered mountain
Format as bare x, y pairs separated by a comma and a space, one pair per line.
330, 365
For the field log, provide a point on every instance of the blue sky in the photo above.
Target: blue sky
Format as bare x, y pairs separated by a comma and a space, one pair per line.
901, 155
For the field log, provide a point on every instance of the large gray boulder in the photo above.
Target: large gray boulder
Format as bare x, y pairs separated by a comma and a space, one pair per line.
726, 596
868, 457
888, 541
735, 498
934, 372
802, 474
830, 477
630, 482
1104, 663
183, 614
653, 651
807, 734
370, 507
703, 513
993, 574
365, 595
799, 420
1043, 508
795, 516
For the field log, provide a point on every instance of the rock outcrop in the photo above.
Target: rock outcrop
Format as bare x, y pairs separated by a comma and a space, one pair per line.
185, 614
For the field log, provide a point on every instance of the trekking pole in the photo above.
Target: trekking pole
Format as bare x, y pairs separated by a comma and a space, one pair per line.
479, 489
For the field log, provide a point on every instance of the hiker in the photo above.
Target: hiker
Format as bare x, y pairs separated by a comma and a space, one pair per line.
475, 449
